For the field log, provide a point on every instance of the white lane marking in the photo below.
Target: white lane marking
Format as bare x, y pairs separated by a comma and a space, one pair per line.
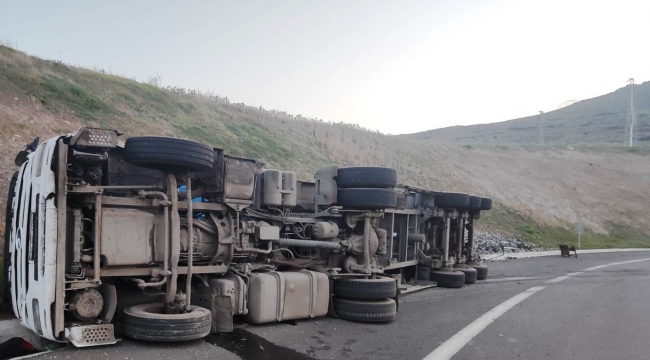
521, 278
557, 279
450, 347
576, 273
614, 264
563, 277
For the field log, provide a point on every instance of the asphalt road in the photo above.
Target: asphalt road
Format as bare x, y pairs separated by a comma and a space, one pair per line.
598, 314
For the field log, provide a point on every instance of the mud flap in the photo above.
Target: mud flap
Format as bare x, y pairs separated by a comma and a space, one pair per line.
221, 314
110, 302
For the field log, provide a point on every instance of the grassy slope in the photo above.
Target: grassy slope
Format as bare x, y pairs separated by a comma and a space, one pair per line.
44, 98
600, 120
503, 219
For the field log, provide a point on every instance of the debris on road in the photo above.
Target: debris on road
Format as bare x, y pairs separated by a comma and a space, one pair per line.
497, 243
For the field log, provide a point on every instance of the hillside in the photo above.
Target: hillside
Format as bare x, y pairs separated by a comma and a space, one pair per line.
540, 191
592, 122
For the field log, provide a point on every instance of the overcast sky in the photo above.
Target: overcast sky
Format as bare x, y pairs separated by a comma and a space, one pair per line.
393, 66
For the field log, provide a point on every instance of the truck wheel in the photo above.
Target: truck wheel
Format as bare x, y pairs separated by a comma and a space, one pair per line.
364, 198
366, 289
448, 279
168, 154
486, 203
365, 311
470, 274
452, 200
474, 203
149, 322
366, 177
6, 292
481, 271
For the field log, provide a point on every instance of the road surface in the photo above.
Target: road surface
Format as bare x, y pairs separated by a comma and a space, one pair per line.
529, 309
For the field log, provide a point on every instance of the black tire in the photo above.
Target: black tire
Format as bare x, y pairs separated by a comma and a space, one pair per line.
452, 200
6, 292
474, 203
366, 289
470, 274
168, 154
486, 203
365, 311
448, 279
366, 177
364, 198
148, 322
481, 271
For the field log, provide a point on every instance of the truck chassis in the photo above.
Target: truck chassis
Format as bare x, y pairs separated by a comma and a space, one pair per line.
170, 239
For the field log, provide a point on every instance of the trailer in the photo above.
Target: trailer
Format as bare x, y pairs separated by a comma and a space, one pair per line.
167, 239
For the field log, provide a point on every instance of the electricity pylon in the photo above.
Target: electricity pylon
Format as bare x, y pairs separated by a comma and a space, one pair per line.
540, 136
631, 117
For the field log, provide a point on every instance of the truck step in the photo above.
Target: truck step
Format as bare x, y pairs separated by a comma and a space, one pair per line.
91, 335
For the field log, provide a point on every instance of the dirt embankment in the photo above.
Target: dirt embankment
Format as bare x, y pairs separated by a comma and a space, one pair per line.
559, 186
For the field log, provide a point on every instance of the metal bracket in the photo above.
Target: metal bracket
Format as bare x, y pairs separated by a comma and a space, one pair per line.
222, 310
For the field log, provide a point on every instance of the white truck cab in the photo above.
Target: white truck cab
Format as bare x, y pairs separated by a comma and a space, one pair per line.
33, 243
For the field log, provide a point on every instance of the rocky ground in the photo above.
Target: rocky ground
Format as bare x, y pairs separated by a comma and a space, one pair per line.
495, 243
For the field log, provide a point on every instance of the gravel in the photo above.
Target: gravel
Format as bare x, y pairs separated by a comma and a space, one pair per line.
495, 243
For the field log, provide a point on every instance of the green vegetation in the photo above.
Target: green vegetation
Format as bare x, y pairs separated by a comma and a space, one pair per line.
641, 150
526, 229
60, 91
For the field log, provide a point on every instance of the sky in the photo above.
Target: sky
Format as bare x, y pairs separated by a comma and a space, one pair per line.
393, 66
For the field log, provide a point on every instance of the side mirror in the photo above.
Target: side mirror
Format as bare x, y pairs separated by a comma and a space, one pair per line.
33, 145
21, 158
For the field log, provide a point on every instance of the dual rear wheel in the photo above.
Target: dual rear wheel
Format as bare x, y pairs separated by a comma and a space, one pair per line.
365, 300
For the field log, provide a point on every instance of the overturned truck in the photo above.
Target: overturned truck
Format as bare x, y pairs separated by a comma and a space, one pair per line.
166, 239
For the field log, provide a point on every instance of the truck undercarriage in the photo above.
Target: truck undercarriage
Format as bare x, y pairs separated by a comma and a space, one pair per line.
171, 239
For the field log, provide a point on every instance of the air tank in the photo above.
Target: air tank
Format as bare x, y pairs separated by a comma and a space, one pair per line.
289, 183
325, 230
272, 188
279, 188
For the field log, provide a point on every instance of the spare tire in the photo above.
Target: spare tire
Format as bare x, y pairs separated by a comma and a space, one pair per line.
452, 200
149, 322
6, 292
486, 203
365, 311
364, 198
366, 177
366, 289
168, 154
474, 203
